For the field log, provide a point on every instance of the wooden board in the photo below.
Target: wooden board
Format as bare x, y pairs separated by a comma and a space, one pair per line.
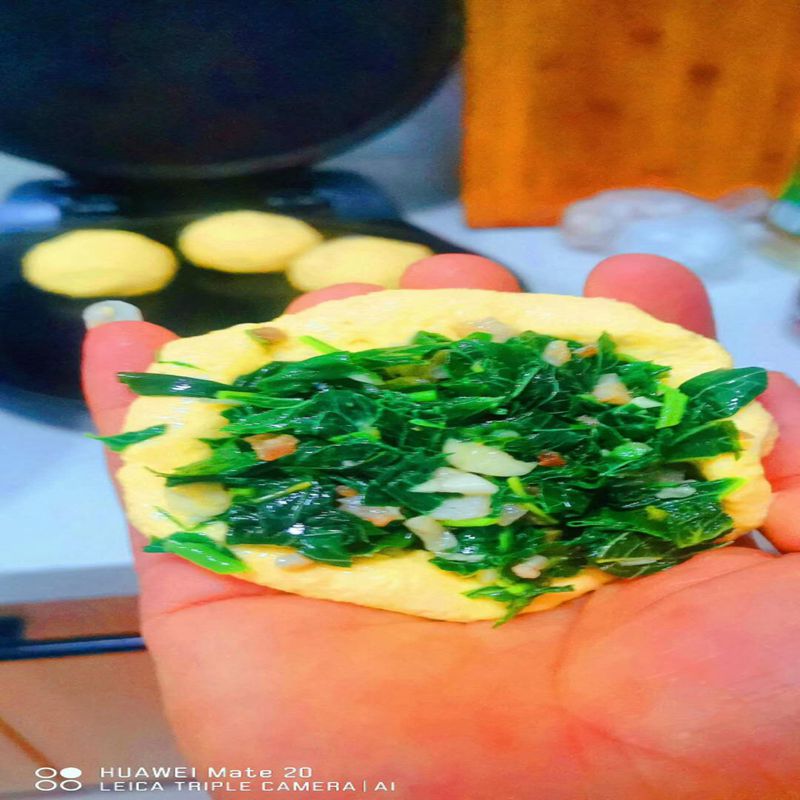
565, 98
83, 711
18, 762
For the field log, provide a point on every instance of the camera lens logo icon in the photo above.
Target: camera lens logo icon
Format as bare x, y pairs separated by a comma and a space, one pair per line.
49, 779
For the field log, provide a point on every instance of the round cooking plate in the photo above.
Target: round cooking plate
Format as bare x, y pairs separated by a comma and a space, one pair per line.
41, 333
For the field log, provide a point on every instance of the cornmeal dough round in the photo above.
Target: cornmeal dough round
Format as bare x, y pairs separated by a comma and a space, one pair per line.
406, 582
100, 263
246, 241
366, 259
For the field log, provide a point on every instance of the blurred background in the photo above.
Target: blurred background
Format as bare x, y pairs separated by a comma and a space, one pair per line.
544, 136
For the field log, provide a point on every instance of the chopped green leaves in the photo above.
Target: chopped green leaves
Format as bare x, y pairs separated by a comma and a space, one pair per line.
325, 414
683, 522
516, 596
616, 487
199, 549
120, 441
304, 516
520, 495
475, 522
705, 441
154, 384
630, 554
630, 451
178, 364
722, 392
393, 485
257, 400
318, 344
673, 408
229, 458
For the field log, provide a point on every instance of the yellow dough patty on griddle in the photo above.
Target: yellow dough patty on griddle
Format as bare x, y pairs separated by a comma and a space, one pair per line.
354, 259
246, 241
100, 263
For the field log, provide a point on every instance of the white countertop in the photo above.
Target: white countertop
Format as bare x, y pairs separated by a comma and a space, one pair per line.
64, 535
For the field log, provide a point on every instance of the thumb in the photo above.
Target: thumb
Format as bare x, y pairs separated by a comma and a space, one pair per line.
167, 583
782, 400
109, 349
660, 286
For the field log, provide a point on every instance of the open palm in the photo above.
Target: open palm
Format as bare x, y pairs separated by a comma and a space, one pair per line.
685, 684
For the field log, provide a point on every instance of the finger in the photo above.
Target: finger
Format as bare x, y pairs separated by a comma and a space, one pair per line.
782, 400
107, 350
782, 465
459, 271
661, 287
336, 292
167, 583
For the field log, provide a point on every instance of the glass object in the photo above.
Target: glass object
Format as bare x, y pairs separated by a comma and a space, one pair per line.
781, 242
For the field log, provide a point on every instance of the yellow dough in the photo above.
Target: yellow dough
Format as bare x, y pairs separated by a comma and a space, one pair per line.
406, 582
246, 241
100, 263
360, 259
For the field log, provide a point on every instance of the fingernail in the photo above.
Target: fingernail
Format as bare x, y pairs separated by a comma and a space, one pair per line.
105, 311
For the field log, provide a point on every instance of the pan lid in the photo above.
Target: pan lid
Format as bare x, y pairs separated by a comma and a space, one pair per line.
170, 91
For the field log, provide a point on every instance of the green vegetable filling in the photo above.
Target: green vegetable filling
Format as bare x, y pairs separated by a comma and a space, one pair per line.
596, 480
120, 441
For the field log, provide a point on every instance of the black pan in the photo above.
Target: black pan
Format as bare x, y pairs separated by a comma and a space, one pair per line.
41, 333
165, 91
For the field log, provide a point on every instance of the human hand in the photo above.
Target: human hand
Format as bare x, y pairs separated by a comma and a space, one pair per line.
685, 684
